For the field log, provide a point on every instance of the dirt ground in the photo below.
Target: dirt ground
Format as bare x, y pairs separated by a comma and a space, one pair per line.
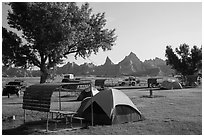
169, 112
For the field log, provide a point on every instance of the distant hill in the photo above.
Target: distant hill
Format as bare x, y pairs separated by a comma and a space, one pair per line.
159, 64
107, 69
130, 65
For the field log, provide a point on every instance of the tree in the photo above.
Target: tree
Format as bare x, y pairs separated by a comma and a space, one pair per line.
53, 30
184, 60
9, 50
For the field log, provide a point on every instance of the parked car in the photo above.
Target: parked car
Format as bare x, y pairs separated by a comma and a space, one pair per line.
130, 81
14, 87
69, 76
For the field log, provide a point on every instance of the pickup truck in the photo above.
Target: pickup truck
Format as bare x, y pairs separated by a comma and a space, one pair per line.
130, 81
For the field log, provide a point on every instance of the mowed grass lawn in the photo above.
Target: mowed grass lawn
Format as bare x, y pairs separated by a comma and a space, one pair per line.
170, 112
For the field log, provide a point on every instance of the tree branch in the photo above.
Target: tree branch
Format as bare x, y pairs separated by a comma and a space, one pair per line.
34, 60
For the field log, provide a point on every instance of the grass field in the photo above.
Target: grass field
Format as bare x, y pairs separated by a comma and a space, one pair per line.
169, 112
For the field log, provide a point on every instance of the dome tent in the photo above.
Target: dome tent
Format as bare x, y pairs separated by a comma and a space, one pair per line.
170, 84
110, 106
87, 93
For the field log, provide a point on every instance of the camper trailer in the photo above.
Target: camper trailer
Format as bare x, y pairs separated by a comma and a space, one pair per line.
69, 76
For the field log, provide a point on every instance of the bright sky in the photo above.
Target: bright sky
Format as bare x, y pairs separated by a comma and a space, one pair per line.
146, 28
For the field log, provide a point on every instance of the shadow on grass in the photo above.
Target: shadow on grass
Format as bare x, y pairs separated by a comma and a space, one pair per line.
153, 96
21, 130
39, 127
25, 129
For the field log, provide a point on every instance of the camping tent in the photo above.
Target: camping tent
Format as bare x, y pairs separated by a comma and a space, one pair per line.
171, 84
110, 106
83, 103
87, 93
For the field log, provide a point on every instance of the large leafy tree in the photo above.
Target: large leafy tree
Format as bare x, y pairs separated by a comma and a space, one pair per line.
184, 60
53, 30
9, 47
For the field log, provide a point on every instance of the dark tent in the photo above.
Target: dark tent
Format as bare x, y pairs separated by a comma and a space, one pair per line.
87, 93
110, 107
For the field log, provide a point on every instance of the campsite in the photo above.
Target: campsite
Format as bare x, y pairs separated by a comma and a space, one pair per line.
101, 68
169, 112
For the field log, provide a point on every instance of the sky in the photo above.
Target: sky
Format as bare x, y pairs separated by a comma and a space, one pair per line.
145, 28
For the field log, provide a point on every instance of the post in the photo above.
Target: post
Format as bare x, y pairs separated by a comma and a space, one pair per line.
150, 91
47, 122
92, 119
71, 121
60, 97
24, 116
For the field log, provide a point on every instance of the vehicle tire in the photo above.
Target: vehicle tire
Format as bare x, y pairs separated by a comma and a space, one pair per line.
122, 84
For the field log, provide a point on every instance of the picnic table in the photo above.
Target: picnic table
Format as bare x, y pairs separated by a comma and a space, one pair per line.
38, 98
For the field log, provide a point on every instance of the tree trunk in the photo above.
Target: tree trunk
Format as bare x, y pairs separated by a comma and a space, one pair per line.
44, 75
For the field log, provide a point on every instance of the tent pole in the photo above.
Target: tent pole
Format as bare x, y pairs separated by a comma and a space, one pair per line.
91, 106
60, 98
24, 116
47, 123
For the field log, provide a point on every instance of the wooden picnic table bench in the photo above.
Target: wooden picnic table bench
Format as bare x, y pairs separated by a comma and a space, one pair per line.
67, 115
38, 98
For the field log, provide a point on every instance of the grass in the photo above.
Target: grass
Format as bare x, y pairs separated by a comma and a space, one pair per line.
169, 112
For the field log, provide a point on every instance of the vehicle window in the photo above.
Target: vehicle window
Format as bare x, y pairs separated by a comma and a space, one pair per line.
65, 80
14, 83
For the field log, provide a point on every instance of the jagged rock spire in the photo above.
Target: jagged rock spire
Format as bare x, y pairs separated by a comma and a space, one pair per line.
108, 61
